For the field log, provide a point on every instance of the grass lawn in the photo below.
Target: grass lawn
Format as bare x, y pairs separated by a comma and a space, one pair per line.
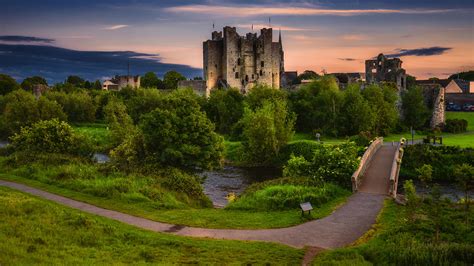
196, 217
463, 140
98, 133
37, 231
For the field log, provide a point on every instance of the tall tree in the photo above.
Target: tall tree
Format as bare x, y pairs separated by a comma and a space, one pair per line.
171, 79
149, 80
29, 82
7, 84
415, 112
355, 114
76, 81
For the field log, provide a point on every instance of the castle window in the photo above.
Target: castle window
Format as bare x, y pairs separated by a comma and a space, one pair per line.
262, 64
253, 77
236, 75
215, 65
210, 74
261, 72
238, 61
246, 78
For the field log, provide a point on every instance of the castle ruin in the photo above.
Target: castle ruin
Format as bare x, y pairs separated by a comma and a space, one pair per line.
231, 60
383, 69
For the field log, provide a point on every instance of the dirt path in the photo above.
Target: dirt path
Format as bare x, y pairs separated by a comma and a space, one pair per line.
342, 227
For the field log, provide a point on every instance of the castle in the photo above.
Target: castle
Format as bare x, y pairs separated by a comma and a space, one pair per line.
231, 60
383, 69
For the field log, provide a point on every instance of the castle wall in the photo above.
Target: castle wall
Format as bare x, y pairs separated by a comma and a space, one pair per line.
212, 67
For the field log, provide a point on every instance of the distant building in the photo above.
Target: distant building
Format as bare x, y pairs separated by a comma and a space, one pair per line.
198, 86
383, 69
457, 91
231, 60
288, 78
120, 82
344, 79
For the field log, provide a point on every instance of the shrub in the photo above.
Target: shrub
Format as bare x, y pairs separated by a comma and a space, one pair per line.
362, 139
51, 136
455, 125
283, 197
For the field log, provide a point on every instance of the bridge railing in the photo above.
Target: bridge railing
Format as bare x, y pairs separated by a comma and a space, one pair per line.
364, 162
395, 171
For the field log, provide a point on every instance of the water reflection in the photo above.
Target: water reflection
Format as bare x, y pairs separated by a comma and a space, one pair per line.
218, 184
448, 190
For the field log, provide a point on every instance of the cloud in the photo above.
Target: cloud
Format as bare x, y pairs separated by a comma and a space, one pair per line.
354, 37
429, 51
24, 39
55, 63
116, 27
283, 28
347, 59
309, 10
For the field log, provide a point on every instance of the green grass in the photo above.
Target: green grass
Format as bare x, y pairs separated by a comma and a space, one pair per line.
142, 196
463, 140
36, 231
397, 240
298, 136
98, 133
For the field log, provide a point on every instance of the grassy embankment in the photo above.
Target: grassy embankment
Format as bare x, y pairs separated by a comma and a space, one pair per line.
36, 231
148, 197
398, 240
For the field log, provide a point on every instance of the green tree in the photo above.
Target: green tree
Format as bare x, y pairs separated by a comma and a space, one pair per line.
262, 93
97, 85
29, 82
51, 136
20, 110
225, 108
120, 123
465, 178
149, 80
7, 84
49, 109
317, 105
355, 113
415, 112
382, 103
171, 79
79, 106
306, 75
76, 81
266, 131
179, 134
425, 174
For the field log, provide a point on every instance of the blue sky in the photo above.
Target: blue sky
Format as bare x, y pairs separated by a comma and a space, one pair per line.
334, 36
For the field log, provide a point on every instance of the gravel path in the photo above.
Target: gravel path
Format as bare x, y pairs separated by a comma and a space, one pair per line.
342, 227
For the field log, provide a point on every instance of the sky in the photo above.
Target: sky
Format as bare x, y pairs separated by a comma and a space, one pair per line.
97, 39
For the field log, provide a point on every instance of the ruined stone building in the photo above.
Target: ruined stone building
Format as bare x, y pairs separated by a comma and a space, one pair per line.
120, 82
383, 69
231, 60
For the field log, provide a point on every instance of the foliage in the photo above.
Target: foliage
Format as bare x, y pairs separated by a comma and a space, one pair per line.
355, 113
51, 136
329, 164
415, 112
118, 120
266, 131
443, 160
225, 108
412, 199
171, 79
467, 75
50, 234
79, 106
382, 101
363, 139
455, 125
317, 106
306, 75
76, 81
465, 178
425, 174
176, 134
7, 84
29, 82
141, 102
150, 80
260, 94
281, 197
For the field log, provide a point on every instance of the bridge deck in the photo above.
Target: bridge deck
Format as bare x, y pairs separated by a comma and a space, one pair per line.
376, 179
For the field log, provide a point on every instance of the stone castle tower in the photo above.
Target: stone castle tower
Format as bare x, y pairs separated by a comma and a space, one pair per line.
383, 69
231, 60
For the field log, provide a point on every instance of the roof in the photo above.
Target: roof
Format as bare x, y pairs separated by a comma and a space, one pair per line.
464, 85
442, 82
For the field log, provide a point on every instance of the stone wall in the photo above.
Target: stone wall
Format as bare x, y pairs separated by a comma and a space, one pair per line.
383, 69
198, 86
438, 116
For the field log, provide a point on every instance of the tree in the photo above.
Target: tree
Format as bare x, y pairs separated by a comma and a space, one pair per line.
425, 174
48, 110
467, 75
415, 112
51, 136
149, 80
225, 108
465, 178
120, 123
381, 101
266, 131
97, 85
317, 105
262, 93
171, 79
20, 110
76, 81
179, 134
355, 113
7, 84
306, 75
79, 106
30, 82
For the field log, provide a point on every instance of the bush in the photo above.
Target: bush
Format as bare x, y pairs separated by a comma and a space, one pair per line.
455, 125
363, 139
329, 164
78, 106
51, 136
284, 197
